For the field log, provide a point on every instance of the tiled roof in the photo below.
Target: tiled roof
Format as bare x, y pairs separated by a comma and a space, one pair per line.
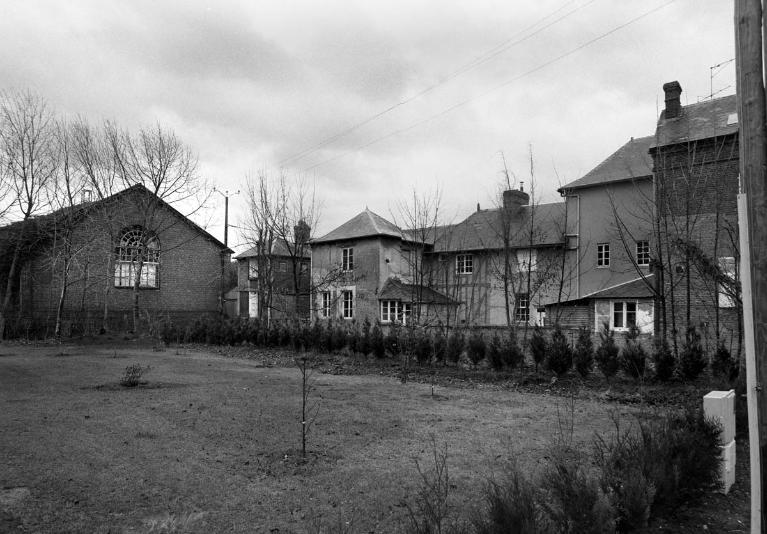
279, 248
395, 289
634, 289
630, 161
703, 120
365, 224
483, 229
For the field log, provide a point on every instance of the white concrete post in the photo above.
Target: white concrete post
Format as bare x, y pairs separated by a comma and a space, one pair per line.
720, 406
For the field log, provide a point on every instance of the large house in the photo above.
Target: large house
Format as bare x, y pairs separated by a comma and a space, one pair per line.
81, 265
497, 267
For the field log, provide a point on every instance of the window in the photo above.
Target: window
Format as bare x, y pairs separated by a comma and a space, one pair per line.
395, 310
643, 253
283, 267
137, 247
603, 255
525, 256
725, 287
325, 309
252, 268
348, 304
624, 315
304, 267
347, 259
464, 264
521, 308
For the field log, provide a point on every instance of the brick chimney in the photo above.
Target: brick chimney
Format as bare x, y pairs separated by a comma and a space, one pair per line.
514, 199
673, 105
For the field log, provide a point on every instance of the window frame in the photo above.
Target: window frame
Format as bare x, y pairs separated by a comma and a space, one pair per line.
523, 256
347, 259
521, 313
464, 264
347, 304
133, 243
395, 311
729, 269
643, 253
625, 313
603, 255
325, 303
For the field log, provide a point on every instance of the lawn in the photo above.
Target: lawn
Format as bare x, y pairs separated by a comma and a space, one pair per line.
212, 443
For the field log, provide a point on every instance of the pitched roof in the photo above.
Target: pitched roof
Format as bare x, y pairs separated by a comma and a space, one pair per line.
482, 229
631, 161
702, 120
395, 289
633, 289
364, 224
279, 248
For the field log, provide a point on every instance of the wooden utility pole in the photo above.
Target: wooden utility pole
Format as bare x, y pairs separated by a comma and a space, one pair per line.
753, 158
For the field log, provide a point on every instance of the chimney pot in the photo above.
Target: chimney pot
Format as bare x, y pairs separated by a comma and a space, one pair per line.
513, 200
672, 91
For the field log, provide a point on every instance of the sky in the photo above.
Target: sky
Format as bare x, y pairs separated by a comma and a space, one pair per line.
372, 102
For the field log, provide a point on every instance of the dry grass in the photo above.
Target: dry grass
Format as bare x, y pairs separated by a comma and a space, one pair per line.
211, 444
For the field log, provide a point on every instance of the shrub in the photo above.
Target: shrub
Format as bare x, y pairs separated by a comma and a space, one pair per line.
538, 346
512, 505
560, 355
392, 341
377, 344
692, 360
365, 342
607, 352
633, 357
454, 346
423, 348
440, 346
511, 354
584, 353
476, 347
494, 353
663, 359
133, 374
723, 365
658, 463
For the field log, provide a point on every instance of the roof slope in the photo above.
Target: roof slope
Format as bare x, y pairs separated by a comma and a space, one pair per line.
630, 161
395, 289
364, 224
483, 229
703, 120
279, 248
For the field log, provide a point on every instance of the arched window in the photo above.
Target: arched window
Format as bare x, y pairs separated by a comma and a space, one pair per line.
137, 246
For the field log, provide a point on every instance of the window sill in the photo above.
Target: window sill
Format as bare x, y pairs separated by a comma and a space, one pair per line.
603, 266
141, 288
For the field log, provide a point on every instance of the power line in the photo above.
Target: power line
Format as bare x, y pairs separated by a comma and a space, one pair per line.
477, 61
495, 88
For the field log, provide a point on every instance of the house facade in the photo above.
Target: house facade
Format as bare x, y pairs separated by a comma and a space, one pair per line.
610, 243
85, 261
695, 160
273, 283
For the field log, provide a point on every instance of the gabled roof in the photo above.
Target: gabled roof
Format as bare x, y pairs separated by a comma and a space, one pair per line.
395, 289
631, 161
82, 209
633, 289
279, 248
482, 230
365, 224
711, 118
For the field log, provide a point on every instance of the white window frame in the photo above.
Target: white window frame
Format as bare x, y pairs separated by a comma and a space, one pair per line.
521, 307
347, 304
395, 311
252, 268
643, 253
128, 252
464, 264
624, 314
603, 255
523, 255
325, 301
347, 259
728, 267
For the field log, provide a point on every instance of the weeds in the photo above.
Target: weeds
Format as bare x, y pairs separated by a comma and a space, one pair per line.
133, 374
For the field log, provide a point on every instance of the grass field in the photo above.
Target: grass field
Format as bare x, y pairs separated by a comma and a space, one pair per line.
212, 444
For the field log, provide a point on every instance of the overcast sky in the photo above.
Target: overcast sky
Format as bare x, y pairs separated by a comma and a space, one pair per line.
437, 90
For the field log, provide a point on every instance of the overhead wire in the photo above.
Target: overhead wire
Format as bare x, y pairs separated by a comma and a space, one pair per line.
492, 89
477, 61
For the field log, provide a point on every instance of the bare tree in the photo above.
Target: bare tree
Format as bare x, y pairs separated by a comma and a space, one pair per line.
28, 163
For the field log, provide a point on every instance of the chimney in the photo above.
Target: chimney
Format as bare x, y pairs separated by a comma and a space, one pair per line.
673, 105
513, 200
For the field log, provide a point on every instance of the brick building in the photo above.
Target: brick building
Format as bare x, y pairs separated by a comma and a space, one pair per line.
695, 159
101, 245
